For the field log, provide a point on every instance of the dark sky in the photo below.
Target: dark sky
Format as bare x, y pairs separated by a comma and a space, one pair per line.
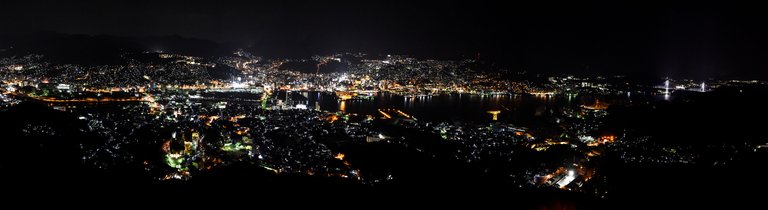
679, 38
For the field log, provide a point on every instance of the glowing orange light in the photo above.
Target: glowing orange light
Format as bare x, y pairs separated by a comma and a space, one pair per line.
339, 156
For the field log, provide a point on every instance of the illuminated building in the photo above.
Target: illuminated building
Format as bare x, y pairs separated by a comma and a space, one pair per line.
569, 177
495, 114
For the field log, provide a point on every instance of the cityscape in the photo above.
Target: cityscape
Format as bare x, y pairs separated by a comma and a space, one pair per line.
366, 124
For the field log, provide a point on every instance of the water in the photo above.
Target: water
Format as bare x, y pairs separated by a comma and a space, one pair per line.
519, 109
515, 108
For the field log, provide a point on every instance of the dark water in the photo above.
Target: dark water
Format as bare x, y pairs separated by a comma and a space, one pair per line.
515, 108
519, 109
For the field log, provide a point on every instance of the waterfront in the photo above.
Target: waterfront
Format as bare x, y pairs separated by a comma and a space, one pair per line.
515, 108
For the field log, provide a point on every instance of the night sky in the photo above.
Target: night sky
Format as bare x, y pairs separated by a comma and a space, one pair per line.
683, 38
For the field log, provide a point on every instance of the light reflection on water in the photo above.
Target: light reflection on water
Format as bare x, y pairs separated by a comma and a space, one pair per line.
515, 108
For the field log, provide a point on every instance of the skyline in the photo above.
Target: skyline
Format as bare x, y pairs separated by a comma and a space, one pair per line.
534, 105
699, 40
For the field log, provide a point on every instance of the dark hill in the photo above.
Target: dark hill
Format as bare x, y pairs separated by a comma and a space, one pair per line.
104, 49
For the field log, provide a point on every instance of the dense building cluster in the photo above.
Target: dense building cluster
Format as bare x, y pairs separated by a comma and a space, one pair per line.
173, 116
